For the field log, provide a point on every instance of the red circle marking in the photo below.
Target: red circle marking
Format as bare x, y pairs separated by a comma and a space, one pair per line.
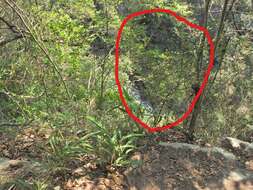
203, 84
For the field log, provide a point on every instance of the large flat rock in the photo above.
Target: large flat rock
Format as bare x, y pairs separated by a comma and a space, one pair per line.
181, 166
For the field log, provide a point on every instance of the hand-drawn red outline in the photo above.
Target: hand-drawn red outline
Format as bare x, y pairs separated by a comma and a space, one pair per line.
203, 84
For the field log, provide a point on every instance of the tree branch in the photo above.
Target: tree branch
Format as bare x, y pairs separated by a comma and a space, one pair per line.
4, 42
12, 27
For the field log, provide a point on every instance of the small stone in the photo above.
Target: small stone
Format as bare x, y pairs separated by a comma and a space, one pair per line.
78, 171
137, 156
101, 187
249, 165
57, 188
107, 182
117, 179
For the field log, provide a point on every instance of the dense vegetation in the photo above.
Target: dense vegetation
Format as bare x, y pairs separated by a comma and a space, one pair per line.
57, 74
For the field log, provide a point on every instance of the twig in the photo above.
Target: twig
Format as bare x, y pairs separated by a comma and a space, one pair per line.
41, 45
7, 124
4, 42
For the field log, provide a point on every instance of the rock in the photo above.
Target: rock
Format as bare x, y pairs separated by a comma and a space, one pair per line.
57, 188
238, 147
207, 151
184, 166
136, 156
79, 171
14, 169
6, 164
237, 181
249, 165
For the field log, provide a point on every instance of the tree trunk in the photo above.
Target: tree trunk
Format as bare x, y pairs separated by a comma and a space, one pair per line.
197, 109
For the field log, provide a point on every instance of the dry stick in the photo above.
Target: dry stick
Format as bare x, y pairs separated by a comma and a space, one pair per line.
221, 25
221, 60
103, 65
218, 37
238, 30
224, 16
6, 124
13, 28
159, 118
196, 110
10, 95
202, 44
44, 84
41, 46
224, 49
4, 42
104, 75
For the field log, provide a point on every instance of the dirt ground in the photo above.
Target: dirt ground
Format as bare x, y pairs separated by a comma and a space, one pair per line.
163, 161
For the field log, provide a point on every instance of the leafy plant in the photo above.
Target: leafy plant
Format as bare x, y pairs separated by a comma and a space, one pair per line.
39, 185
64, 148
112, 145
19, 184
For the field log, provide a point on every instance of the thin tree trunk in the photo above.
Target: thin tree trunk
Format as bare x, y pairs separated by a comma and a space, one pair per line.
197, 108
191, 128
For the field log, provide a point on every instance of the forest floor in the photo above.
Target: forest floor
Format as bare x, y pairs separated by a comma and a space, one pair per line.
162, 162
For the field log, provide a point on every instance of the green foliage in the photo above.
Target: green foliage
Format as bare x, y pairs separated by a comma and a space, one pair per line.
39, 185
78, 39
21, 184
64, 148
112, 145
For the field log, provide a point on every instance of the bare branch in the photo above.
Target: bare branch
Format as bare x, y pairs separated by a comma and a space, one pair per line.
4, 42
12, 27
